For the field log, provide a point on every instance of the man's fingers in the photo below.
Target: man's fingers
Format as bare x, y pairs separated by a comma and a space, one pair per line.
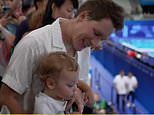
69, 105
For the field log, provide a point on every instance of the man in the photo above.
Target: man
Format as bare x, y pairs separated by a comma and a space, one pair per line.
132, 84
95, 21
119, 84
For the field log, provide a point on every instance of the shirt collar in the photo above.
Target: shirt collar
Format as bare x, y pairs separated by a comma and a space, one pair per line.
57, 35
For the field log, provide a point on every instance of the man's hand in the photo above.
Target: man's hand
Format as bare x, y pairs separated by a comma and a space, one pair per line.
78, 100
83, 96
88, 98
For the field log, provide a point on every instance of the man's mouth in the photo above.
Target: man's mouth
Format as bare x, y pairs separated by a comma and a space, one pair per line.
86, 43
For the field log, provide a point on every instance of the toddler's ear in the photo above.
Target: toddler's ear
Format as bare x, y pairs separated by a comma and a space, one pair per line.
50, 83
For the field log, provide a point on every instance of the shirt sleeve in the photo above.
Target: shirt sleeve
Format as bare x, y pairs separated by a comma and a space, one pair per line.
18, 75
115, 80
135, 81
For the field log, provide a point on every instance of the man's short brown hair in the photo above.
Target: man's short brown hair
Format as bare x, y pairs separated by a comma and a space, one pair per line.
99, 9
54, 63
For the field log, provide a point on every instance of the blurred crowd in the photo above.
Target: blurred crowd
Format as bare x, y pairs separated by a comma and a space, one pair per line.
17, 17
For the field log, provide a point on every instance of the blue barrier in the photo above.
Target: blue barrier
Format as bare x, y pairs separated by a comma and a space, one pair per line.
147, 2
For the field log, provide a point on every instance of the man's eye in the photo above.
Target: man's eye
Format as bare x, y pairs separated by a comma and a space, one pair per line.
96, 34
70, 85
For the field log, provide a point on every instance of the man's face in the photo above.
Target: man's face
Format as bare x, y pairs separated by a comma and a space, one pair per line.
66, 84
130, 75
122, 73
89, 33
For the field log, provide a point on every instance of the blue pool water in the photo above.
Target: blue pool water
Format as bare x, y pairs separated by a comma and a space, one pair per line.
137, 35
140, 45
151, 54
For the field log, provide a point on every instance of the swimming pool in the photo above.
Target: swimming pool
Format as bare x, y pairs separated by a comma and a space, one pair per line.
137, 35
139, 45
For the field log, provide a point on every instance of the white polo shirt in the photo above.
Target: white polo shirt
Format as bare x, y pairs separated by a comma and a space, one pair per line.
131, 83
120, 84
47, 105
24, 60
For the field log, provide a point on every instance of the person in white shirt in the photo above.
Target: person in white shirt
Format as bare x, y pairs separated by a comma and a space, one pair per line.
59, 76
87, 29
132, 84
119, 84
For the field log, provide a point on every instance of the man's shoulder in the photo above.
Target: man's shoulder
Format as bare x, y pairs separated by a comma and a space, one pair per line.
40, 34
134, 78
44, 29
117, 76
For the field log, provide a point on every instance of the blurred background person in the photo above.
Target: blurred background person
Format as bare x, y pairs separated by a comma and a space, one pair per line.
98, 106
132, 84
119, 83
59, 8
33, 18
8, 23
101, 106
46, 12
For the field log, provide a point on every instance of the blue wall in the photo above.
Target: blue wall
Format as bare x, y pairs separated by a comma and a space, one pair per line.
147, 2
114, 60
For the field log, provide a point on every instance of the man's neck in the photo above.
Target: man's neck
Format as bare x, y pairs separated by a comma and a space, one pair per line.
67, 35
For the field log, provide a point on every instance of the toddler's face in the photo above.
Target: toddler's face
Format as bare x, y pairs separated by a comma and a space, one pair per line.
66, 84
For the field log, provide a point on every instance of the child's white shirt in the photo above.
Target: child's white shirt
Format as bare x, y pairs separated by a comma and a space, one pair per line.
47, 105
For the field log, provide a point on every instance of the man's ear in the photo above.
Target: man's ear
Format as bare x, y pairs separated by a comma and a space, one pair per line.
50, 83
83, 16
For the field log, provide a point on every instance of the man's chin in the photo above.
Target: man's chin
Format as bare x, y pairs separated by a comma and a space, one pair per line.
79, 49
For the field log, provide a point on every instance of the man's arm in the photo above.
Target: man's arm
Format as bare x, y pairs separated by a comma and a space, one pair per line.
88, 92
11, 99
135, 83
